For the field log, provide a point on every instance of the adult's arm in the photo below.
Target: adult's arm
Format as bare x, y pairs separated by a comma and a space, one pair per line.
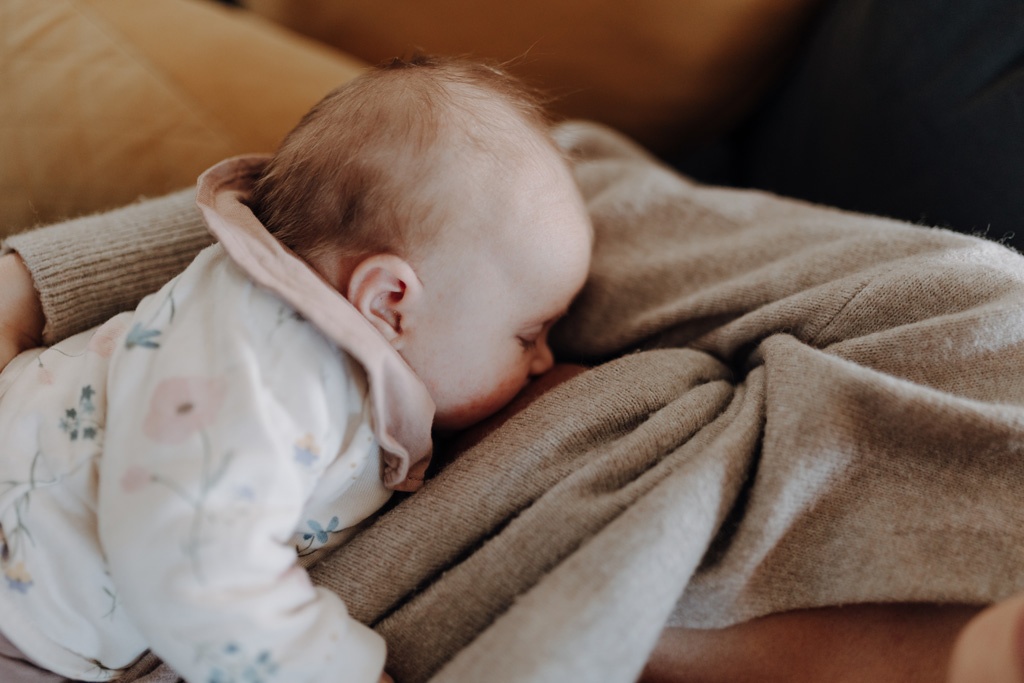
70, 276
876, 643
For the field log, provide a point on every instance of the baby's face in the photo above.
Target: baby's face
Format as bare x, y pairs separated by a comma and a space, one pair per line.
521, 256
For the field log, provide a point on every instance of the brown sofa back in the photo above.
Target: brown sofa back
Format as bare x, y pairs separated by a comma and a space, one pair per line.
105, 101
666, 72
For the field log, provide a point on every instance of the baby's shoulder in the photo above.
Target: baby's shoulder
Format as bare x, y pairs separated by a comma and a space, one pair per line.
214, 315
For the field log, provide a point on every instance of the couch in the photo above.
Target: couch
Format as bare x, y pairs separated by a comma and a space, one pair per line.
106, 101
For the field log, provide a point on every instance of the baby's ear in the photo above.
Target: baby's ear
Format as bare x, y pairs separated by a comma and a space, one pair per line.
384, 288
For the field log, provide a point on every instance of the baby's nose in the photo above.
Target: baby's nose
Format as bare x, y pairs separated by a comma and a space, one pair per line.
543, 360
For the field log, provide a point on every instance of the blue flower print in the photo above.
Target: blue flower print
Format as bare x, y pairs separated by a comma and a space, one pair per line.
141, 337
18, 578
321, 534
306, 451
231, 664
78, 422
318, 535
145, 336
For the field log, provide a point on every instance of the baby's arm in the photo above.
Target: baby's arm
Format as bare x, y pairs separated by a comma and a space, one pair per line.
211, 455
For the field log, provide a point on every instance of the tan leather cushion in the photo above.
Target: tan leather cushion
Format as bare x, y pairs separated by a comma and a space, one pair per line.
103, 101
664, 71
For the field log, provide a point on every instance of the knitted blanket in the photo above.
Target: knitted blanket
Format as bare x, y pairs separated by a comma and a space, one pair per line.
790, 406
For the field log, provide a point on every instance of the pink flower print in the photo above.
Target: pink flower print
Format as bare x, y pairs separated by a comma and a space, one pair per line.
104, 340
135, 479
44, 375
181, 406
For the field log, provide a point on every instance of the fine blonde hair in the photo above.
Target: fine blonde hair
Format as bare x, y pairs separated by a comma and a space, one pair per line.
343, 181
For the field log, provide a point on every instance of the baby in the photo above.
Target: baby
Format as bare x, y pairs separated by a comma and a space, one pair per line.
166, 476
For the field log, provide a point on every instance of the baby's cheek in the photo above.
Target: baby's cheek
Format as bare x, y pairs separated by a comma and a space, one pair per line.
474, 404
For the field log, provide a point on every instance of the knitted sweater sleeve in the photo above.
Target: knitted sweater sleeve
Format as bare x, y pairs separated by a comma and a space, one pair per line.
90, 268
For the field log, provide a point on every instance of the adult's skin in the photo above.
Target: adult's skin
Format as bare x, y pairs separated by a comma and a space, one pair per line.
862, 643
898, 643
21, 315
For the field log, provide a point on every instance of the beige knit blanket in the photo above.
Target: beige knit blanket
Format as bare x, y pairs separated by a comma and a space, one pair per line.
827, 410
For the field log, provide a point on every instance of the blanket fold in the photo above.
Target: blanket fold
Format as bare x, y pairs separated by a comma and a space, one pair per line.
826, 408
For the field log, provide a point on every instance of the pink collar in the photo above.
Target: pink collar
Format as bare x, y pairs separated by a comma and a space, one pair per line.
403, 411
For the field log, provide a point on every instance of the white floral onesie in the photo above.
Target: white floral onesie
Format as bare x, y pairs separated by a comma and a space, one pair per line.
160, 475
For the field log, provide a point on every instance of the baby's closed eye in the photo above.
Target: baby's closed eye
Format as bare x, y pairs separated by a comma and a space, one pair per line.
528, 343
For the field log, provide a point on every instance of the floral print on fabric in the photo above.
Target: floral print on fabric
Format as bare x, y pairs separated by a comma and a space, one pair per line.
230, 663
145, 335
306, 451
104, 340
317, 535
182, 406
43, 374
135, 479
17, 577
81, 421
179, 408
15, 574
82, 425
142, 337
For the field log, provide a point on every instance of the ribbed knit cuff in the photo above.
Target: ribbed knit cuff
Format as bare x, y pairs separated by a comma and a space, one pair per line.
91, 268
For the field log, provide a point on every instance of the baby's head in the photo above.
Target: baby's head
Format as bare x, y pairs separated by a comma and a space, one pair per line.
431, 195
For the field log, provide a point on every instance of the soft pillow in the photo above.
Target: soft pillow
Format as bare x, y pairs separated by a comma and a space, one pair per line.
105, 101
666, 72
